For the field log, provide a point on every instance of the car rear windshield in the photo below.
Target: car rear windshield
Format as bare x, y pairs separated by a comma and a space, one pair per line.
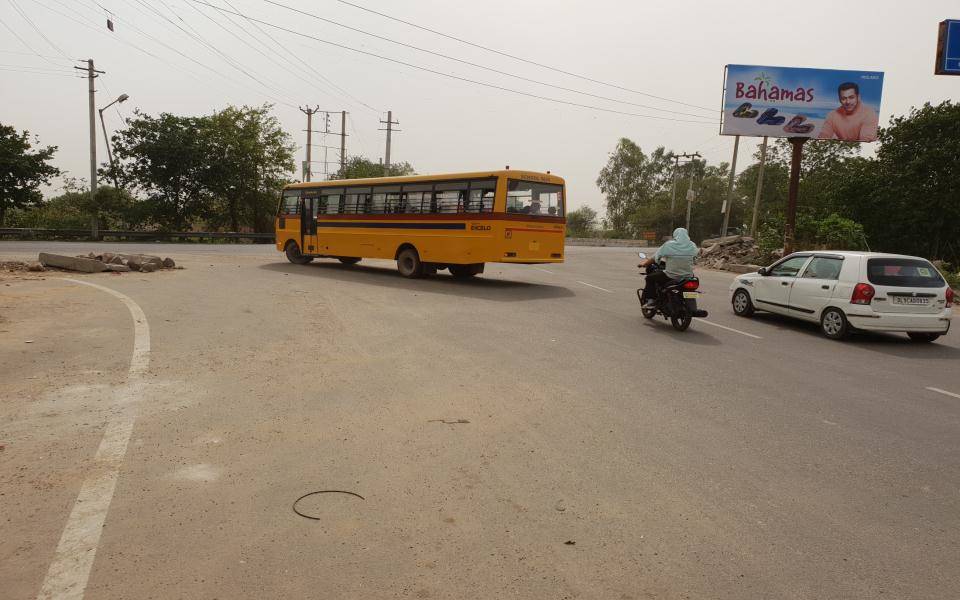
903, 272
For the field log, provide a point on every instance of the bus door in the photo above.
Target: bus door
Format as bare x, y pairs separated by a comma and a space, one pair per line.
308, 222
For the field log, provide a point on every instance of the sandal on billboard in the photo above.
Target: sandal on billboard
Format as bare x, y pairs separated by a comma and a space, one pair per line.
744, 111
769, 117
797, 125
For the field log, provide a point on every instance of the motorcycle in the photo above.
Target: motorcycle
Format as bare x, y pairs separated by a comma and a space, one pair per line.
676, 300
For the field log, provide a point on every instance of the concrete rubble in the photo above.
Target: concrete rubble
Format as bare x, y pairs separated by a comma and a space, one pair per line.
732, 253
107, 261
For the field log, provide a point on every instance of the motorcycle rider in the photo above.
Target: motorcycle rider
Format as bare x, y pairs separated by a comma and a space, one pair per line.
678, 254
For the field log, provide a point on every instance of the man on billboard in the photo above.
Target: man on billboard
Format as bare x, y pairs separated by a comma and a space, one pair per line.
853, 121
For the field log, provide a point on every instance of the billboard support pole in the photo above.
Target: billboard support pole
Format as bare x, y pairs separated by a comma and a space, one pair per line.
756, 201
790, 224
733, 175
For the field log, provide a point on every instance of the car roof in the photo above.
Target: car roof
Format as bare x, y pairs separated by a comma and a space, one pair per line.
859, 253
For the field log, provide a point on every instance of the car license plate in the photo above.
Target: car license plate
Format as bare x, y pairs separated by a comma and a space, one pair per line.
693, 295
908, 300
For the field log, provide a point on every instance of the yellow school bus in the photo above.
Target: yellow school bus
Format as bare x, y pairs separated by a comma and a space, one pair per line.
456, 221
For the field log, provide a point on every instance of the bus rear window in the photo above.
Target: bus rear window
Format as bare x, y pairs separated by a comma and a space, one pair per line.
903, 272
532, 198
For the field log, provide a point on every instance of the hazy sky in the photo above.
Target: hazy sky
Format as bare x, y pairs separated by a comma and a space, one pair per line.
673, 50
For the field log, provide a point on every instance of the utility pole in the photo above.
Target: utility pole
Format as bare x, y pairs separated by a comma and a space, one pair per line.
756, 201
343, 142
673, 198
733, 173
389, 123
91, 90
790, 220
691, 195
309, 112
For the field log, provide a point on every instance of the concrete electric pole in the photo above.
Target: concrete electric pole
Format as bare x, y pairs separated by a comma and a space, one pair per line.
91, 92
673, 198
389, 123
309, 112
343, 142
733, 173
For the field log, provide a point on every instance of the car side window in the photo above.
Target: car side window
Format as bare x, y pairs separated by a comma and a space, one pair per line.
822, 267
789, 267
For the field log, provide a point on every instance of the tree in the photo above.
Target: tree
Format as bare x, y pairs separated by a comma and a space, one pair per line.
22, 172
226, 169
358, 167
631, 181
254, 158
582, 222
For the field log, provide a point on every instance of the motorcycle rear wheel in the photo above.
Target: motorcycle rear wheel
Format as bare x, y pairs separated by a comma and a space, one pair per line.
682, 322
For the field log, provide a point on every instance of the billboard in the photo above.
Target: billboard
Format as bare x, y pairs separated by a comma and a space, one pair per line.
948, 48
810, 103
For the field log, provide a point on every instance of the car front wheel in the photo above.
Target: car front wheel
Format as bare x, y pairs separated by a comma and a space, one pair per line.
833, 324
742, 305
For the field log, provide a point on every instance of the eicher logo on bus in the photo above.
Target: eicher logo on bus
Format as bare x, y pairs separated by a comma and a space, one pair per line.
474, 227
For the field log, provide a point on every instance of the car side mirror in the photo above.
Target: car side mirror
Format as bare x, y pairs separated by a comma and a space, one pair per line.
763, 271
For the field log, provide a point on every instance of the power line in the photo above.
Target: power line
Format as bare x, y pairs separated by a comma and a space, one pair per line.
473, 64
178, 52
519, 58
44, 56
16, 7
308, 65
41, 73
457, 77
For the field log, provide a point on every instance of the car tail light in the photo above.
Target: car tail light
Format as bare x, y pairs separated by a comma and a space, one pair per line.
692, 284
949, 297
862, 294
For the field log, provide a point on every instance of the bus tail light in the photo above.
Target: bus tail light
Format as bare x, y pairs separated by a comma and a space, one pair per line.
862, 294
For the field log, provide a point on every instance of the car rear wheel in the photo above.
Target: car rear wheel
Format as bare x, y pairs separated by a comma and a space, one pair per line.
923, 337
408, 263
833, 324
742, 305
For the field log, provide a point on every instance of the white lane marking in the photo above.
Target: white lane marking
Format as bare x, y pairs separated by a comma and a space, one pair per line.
944, 392
70, 570
749, 335
544, 270
594, 286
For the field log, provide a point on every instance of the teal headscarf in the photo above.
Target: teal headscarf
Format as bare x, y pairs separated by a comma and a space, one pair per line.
680, 245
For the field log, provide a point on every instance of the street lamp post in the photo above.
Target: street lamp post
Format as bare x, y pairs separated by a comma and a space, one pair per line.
113, 170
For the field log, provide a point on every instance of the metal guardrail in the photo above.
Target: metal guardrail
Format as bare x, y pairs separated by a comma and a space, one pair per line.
51, 234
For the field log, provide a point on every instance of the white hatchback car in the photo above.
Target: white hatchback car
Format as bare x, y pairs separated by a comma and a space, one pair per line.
845, 291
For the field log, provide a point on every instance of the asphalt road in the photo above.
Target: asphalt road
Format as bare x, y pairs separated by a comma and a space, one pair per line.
524, 435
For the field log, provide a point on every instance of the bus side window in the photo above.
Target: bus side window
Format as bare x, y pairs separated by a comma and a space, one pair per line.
482, 193
331, 199
417, 197
451, 196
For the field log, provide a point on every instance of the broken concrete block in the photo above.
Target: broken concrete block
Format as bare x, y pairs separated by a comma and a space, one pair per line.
35, 266
168, 263
106, 257
133, 262
84, 265
148, 267
118, 268
116, 260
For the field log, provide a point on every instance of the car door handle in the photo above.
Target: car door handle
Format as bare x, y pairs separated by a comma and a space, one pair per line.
825, 287
784, 283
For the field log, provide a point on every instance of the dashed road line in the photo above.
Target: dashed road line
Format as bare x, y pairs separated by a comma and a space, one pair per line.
944, 392
544, 270
749, 335
70, 570
595, 286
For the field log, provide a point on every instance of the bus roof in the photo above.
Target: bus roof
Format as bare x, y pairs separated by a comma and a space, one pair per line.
512, 174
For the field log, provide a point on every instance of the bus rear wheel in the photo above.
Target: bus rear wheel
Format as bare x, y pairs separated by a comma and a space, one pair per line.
295, 256
348, 260
408, 263
466, 271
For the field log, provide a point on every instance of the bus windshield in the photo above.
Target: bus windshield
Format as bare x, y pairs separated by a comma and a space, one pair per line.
533, 198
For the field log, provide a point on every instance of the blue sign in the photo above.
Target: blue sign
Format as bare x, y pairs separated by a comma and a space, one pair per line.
948, 58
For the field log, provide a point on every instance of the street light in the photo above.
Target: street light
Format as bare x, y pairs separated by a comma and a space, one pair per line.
121, 98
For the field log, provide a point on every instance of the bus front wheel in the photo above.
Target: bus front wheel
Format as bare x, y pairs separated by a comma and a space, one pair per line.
408, 263
293, 254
